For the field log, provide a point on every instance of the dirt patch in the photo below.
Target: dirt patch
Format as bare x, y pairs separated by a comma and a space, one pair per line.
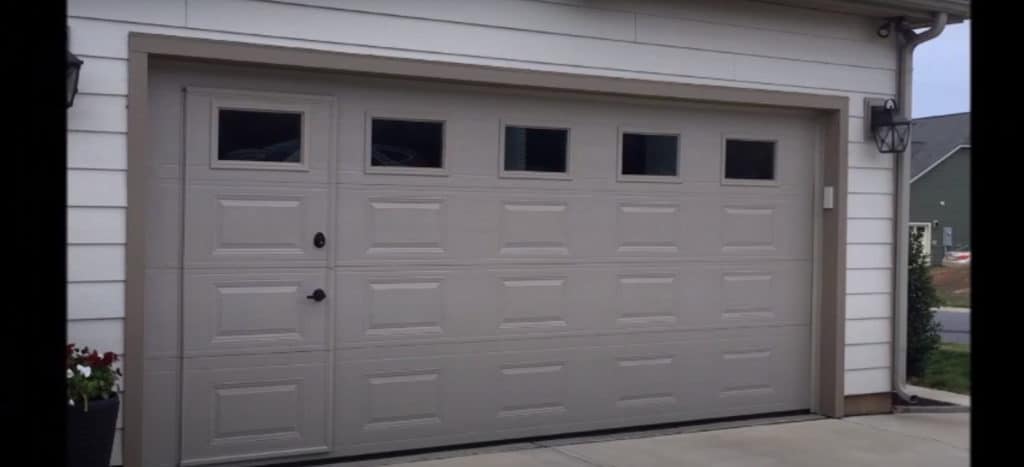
953, 283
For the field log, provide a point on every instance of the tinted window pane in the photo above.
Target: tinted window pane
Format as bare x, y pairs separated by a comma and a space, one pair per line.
247, 135
403, 143
535, 149
750, 160
649, 154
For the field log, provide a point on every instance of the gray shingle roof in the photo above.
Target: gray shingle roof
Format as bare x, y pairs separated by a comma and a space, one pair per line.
934, 137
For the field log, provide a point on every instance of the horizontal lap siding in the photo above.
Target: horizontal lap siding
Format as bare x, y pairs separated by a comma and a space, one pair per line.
750, 45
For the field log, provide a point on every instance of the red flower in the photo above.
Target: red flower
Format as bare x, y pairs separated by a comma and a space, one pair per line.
109, 357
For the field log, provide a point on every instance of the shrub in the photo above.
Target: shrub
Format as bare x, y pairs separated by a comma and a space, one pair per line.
922, 329
90, 376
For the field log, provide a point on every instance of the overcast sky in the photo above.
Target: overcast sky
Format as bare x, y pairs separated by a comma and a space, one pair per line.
942, 73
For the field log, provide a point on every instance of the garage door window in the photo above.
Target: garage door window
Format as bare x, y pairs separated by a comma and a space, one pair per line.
647, 156
252, 136
535, 151
749, 162
406, 146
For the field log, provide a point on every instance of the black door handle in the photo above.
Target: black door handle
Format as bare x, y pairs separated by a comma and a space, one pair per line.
318, 295
319, 240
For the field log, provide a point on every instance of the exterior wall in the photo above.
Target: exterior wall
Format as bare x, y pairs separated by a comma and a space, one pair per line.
725, 43
950, 183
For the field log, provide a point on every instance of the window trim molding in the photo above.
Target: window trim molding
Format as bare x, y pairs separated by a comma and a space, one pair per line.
653, 131
776, 164
533, 174
257, 103
370, 169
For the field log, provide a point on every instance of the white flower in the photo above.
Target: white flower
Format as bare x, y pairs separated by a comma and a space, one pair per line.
85, 371
71, 402
71, 374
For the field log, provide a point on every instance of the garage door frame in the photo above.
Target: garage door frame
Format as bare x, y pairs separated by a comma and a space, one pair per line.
828, 319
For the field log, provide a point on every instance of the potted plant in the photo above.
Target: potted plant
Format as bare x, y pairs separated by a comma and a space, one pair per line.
92, 388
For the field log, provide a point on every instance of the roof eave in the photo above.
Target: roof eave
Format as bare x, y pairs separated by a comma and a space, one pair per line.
916, 12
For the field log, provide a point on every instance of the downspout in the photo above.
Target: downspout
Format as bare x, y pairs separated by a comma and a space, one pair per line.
906, 64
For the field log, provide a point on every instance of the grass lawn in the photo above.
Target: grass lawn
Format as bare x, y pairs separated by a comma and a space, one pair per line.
949, 369
953, 284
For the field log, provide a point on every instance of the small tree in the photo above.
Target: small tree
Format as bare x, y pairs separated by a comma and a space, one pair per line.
922, 329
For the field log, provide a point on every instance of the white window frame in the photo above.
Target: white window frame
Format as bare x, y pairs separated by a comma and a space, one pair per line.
677, 178
368, 166
532, 174
776, 163
257, 103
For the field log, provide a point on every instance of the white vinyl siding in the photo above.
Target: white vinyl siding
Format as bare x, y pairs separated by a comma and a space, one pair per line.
740, 44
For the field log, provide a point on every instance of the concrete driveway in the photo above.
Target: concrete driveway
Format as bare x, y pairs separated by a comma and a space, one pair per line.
932, 440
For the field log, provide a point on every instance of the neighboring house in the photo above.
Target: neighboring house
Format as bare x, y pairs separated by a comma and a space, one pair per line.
502, 218
940, 183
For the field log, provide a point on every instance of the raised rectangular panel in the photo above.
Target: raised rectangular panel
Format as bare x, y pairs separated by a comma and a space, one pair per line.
747, 228
648, 228
249, 312
532, 303
534, 229
233, 225
765, 368
237, 408
647, 299
403, 307
398, 400
747, 296
530, 390
406, 226
646, 382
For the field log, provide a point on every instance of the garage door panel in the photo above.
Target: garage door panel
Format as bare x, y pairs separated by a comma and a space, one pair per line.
254, 225
205, 128
247, 312
237, 408
395, 400
762, 369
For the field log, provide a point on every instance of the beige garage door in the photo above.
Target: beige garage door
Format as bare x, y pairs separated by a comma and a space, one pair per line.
373, 265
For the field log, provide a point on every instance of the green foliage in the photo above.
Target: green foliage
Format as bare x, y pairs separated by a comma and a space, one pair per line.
90, 376
922, 329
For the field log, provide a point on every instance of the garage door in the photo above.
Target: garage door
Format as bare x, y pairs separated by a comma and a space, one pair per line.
373, 265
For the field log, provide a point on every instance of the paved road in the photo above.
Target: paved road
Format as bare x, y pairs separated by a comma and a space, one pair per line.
956, 325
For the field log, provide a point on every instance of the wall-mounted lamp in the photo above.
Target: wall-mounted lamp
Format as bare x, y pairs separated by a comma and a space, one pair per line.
889, 129
74, 66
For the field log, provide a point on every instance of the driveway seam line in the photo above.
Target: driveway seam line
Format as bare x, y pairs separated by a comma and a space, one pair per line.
908, 434
579, 457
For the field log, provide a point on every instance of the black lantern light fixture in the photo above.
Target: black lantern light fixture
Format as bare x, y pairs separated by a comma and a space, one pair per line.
889, 129
74, 65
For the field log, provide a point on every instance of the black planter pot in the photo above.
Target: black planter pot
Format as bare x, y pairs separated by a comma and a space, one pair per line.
91, 434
